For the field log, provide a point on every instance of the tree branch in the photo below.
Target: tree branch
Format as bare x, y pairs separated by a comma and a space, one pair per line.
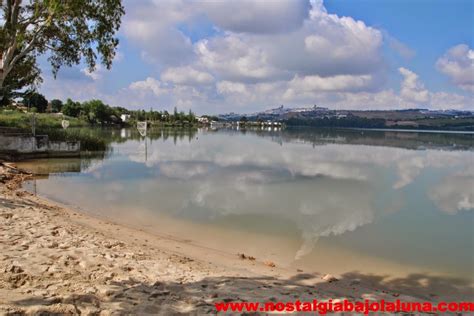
16, 9
29, 47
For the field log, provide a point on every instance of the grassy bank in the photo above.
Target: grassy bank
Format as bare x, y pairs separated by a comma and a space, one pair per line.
16, 119
50, 124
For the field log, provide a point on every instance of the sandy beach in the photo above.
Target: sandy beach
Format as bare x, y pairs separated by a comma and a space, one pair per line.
57, 260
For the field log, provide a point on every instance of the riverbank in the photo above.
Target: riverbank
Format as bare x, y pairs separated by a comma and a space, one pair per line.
57, 260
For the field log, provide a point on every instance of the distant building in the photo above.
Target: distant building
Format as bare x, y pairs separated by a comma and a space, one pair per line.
125, 117
203, 120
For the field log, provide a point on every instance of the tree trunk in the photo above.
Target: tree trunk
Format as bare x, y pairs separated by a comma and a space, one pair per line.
1, 85
2, 80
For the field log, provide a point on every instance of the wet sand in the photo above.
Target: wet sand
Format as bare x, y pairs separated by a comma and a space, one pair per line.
57, 260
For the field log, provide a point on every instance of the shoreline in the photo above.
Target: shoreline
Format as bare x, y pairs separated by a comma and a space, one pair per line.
58, 260
184, 232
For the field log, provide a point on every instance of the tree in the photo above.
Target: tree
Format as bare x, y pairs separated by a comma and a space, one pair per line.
191, 117
56, 105
36, 100
71, 108
97, 111
68, 31
166, 116
22, 80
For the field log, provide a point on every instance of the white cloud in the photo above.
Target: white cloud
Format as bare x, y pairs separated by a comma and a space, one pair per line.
272, 53
333, 45
401, 48
162, 95
152, 26
229, 87
445, 100
454, 193
257, 16
186, 76
408, 169
147, 85
95, 75
334, 83
233, 58
411, 88
458, 64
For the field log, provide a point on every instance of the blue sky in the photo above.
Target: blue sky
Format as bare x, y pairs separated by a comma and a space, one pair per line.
429, 27
249, 55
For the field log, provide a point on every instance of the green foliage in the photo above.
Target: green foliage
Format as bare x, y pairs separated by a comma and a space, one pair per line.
69, 31
56, 105
16, 119
353, 121
97, 112
49, 124
37, 101
89, 142
21, 80
191, 117
71, 108
459, 124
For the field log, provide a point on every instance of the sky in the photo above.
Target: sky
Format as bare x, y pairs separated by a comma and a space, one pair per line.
245, 56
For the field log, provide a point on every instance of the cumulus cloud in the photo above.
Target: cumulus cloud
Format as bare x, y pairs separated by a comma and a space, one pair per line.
152, 26
148, 85
257, 16
97, 74
445, 100
331, 45
458, 64
401, 48
283, 51
319, 43
234, 58
411, 88
334, 83
229, 87
152, 91
186, 76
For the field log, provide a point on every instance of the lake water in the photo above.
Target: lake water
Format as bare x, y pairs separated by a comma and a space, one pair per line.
389, 203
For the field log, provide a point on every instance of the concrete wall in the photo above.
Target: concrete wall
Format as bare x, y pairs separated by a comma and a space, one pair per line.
28, 145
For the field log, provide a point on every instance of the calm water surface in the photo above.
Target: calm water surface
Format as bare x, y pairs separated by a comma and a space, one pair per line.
390, 203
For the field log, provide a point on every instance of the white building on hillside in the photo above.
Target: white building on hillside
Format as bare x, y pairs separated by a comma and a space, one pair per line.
125, 117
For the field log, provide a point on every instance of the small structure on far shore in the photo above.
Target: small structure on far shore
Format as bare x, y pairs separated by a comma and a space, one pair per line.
125, 117
202, 119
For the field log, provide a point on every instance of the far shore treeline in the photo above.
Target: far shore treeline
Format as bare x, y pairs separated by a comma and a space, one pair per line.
17, 116
88, 113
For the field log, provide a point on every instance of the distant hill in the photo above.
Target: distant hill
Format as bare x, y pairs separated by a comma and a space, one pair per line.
324, 117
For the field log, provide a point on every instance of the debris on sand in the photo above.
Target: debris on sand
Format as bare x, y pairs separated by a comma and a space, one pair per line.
245, 257
329, 278
270, 264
